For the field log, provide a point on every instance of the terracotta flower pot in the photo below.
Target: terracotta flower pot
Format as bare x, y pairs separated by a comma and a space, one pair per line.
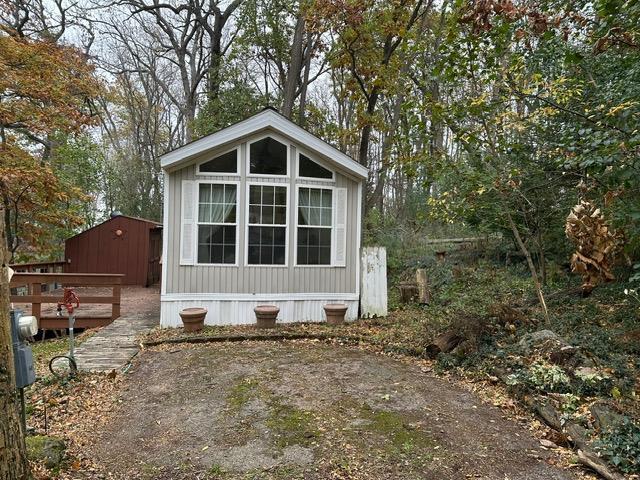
193, 318
266, 316
335, 313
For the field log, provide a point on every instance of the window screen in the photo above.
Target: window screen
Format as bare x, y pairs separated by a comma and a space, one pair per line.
217, 228
268, 157
267, 225
314, 226
309, 168
225, 163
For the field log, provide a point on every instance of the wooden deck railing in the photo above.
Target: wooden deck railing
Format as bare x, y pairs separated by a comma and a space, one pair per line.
41, 267
34, 281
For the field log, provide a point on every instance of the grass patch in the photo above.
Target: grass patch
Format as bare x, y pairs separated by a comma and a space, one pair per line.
403, 439
43, 351
291, 425
216, 471
241, 393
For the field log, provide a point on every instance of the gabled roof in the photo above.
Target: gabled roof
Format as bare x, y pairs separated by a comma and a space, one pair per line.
266, 119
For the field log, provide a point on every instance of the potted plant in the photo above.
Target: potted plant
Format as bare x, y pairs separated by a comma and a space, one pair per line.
193, 318
335, 313
266, 316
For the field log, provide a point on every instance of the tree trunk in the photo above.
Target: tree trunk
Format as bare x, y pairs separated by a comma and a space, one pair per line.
305, 84
532, 267
13, 452
365, 137
377, 197
295, 68
215, 63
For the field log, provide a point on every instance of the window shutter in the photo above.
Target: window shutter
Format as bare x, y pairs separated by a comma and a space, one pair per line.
188, 223
339, 250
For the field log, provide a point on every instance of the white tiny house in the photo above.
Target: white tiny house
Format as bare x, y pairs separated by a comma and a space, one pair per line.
260, 212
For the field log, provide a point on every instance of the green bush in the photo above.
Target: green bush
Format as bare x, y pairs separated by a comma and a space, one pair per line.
543, 377
620, 445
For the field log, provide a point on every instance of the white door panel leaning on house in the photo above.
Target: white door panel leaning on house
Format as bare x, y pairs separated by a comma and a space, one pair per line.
260, 212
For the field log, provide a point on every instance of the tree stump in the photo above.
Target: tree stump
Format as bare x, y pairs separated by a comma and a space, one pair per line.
441, 256
408, 292
423, 286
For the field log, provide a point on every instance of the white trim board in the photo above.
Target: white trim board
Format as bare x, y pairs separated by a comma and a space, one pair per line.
165, 234
256, 297
266, 119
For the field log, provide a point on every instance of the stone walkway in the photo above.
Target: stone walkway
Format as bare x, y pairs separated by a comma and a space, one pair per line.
114, 345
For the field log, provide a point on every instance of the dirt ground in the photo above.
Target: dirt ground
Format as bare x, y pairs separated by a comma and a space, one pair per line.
269, 410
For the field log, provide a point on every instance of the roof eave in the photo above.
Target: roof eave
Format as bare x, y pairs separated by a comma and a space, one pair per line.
260, 121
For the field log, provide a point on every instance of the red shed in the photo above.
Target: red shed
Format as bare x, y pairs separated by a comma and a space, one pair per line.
128, 245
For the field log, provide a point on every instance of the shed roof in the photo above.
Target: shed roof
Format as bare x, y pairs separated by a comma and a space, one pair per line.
268, 118
152, 223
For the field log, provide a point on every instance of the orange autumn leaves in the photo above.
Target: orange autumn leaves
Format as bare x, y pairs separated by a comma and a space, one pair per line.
44, 86
45, 92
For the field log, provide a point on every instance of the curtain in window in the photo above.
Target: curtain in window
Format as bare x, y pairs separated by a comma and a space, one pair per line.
217, 203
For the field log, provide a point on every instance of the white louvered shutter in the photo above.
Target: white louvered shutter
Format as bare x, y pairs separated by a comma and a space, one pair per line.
188, 223
339, 249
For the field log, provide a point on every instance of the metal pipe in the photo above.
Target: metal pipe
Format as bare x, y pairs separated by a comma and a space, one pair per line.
23, 411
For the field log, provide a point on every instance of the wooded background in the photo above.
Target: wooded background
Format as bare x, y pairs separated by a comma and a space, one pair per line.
486, 116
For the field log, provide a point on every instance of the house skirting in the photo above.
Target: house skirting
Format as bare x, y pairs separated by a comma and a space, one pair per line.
238, 309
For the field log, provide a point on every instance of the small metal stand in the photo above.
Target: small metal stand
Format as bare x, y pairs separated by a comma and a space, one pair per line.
23, 411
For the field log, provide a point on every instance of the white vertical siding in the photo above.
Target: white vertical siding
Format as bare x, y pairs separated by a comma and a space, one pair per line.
258, 279
240, 312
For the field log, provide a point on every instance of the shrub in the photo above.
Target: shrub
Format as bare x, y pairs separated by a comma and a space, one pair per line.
620, 445
543, 377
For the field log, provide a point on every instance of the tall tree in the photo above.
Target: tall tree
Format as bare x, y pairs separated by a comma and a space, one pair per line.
31, 114
13, 451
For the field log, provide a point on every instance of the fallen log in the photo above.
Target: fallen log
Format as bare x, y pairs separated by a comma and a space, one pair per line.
596, 464
578, 438
443, 343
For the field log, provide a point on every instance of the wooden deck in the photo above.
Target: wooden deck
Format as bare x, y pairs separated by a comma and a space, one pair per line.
113, 345
28, 288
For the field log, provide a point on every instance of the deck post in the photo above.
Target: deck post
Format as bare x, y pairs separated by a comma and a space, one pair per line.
115, 306
36, 305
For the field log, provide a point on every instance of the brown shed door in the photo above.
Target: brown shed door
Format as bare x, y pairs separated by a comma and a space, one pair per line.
155, 251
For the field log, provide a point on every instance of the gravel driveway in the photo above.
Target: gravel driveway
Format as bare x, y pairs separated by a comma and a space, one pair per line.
307, 410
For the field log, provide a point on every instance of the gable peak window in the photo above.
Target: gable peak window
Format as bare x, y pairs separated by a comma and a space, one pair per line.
224, 163
309, 169
268, 156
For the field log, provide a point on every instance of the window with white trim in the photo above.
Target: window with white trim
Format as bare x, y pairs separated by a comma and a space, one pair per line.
267, 225
268, 156
315, 223
308, 168
217, 223
224, 163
